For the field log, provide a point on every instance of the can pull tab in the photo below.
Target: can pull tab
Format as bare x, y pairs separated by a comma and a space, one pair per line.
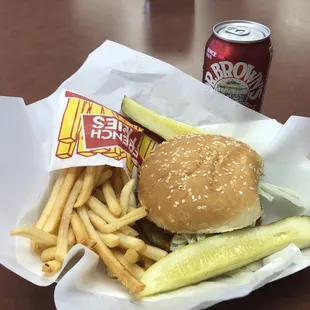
239, 31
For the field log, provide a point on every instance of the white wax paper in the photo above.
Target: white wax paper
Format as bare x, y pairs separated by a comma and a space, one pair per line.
109, 73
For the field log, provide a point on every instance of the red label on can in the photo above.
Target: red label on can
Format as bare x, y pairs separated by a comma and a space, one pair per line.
238, 71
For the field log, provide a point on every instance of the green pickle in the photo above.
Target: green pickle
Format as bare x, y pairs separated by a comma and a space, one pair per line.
222, 253
163, 126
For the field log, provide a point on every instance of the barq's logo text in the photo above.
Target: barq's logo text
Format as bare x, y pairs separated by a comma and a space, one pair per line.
240, 71
101, 131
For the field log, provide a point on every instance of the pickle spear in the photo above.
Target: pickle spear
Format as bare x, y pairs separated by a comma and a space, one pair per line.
222, 253
163, 126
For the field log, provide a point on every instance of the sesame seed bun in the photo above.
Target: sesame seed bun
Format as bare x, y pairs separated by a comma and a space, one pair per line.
201, 183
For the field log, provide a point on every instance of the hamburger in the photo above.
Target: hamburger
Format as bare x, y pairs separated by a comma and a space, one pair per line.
201, 184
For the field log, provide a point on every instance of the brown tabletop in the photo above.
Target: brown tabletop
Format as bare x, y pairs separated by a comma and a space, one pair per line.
44, 42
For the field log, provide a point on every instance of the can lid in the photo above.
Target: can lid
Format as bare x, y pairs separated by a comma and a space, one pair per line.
241, 31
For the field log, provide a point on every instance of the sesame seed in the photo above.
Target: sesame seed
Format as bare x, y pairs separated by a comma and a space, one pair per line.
176, 203
159, 207
244, 183
194, 199
171, 191
206, 187
168, 197
172, 221
240, 192
251, 188
206, 196
218, 189
193, 196
241, 177
183, 200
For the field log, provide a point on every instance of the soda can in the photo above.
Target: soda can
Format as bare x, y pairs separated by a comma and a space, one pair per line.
237, 61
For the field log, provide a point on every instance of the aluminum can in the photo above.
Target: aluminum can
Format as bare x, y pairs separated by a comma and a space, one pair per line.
237, 61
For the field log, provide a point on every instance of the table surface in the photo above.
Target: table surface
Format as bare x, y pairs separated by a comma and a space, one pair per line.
44, 42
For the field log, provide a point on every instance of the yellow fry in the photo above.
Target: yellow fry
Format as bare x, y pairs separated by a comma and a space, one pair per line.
80, 231
133, 216
99, 195
54, 218
104, 177
125, 195
102, 210
153, 253
134, 269
117, 181
109, 240
124, 176
132, 256
96, 220
62, 240
51, 267
99, 172
52, 199
87, 186
71, 238
132, 201
108, 258
111, 199
35, 234
130, 209
129, 242
49, 253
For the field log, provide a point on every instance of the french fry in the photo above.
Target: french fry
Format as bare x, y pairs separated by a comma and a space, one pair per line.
147, 263
54, 218
102, 210
129, 242
99, 172
117, 182
80, 231
132, 256
49, 253
35, 235
49, 205
125, 195
99, 195
109, 240
96, 220
132, 201
133, 216
124, 176
130, 209
87, 186
62, 239
132, 198
52, 199
112, 263
134, 269
104, 177
153, 253
71, 238
111, 199
51, 267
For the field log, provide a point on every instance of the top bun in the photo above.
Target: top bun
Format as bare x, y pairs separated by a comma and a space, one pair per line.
201, 183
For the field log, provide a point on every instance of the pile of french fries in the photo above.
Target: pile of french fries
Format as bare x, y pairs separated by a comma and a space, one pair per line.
94, 206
